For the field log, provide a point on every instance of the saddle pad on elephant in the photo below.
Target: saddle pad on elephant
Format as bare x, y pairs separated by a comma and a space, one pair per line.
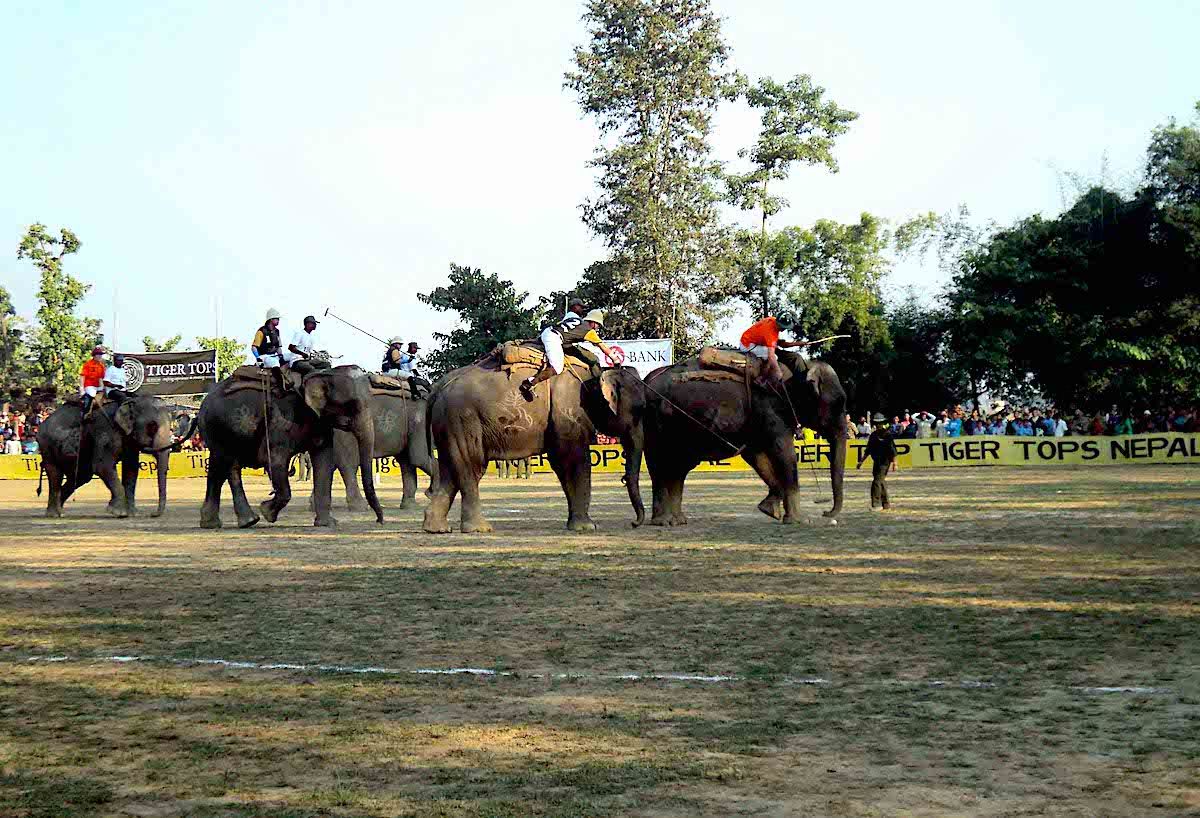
525, 358
386, 383
256, 377
736, 362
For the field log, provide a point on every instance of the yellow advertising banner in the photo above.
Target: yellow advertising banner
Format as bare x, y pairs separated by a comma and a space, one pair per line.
913, 454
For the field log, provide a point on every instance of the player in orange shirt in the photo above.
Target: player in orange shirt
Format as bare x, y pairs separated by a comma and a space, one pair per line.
761, 340
91, 378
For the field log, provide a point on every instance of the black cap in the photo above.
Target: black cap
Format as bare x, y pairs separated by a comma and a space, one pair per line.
308, 318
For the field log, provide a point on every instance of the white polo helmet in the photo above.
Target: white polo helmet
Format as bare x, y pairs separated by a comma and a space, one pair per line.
272, 313
596, 316
395, 339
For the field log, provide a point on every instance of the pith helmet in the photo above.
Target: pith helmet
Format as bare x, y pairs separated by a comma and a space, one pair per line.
395, 339
272, 313
878, 418
596, 316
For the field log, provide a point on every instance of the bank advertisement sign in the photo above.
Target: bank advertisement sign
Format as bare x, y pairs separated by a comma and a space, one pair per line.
643, 354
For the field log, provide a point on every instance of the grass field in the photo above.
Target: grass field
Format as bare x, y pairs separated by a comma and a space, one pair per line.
946, 658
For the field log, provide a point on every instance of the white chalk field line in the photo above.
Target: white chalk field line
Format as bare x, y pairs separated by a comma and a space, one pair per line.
479, 672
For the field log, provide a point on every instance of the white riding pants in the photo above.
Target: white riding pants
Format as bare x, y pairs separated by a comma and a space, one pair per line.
269, 361
757, 350
552, 341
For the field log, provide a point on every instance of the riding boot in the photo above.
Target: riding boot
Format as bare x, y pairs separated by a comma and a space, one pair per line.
412, 387
544, 374
277, 377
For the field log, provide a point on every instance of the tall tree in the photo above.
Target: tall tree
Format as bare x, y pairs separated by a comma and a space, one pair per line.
798, 125
62, 341
167, 345
12, 349
231, 352
490, 310
651, 75
1173, 173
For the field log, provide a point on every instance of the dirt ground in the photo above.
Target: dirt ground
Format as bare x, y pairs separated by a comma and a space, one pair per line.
955, 656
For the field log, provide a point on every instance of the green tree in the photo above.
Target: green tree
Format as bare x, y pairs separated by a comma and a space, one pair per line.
230, 353
62, 341
652, 74
12, 349
1173, 174
798, 125
168, 345
490, 310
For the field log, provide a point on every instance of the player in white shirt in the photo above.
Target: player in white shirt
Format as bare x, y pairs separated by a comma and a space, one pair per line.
299, 351
115, 379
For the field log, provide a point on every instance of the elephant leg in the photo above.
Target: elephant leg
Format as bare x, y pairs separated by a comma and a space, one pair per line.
437, 513
219, 470
666, 480
472, 519
354, 497
54, 478
433, 472
772, 504
241, 506
129, 475
107, 470
324, 463
408, 473
781, 457
575, 476
277, 468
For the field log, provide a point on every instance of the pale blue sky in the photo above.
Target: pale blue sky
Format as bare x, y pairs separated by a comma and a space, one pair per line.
305, 155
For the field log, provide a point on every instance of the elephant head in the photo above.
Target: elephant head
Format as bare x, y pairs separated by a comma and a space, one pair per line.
819, 401
151, 426
341, 398
616, 404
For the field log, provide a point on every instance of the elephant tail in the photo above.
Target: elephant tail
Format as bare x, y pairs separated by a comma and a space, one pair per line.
41, 471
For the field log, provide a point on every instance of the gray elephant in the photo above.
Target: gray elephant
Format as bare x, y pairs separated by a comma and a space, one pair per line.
400, 433
477, 414
245, 427
694, 415
75, 449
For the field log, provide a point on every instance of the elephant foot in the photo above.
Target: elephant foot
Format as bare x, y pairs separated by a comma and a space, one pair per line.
581, 524
435, 524
210, 522
249, 522
269, 512
477, 526
833, 512
771, 507
671, 520
119, 513
360, 506
408, 502
54, 513
328, 521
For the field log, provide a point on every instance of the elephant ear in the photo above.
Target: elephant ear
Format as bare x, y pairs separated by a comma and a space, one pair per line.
124, 418
316, 392
610, 388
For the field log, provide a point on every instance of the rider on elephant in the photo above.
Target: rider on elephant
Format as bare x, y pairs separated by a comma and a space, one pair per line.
91, 378
393, 357
299, 355
267, 348
408, 370
762, 338
569, 332
115, 380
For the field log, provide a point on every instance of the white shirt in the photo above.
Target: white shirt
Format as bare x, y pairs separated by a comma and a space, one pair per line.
408, 363
1060, 428
116, 376
302, 341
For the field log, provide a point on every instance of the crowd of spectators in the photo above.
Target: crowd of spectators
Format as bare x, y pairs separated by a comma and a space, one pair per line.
1033, 422
18, 430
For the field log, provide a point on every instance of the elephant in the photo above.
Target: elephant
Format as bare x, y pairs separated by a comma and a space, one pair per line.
303, 419
399, 432
75, 449
477, 414
690, 419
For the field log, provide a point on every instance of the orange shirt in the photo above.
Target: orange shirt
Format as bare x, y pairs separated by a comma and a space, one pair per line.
92, 373
763, 333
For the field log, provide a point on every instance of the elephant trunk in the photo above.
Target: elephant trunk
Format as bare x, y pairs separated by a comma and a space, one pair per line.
633, 443
163, 461
364, 433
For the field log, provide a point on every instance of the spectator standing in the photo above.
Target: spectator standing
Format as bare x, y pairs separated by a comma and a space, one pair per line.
1060, 426
851, 429
940, 428
864, 428
925, 423
954, 425
1124, 426
881, 448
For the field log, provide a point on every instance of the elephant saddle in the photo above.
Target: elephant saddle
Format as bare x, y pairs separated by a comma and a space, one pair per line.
256, 377
387, 385
524, 358
736, 364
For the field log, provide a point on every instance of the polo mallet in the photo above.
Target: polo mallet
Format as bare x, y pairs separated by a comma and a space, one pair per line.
355, 326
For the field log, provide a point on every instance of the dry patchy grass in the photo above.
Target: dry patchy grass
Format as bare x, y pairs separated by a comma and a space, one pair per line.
1034, 581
